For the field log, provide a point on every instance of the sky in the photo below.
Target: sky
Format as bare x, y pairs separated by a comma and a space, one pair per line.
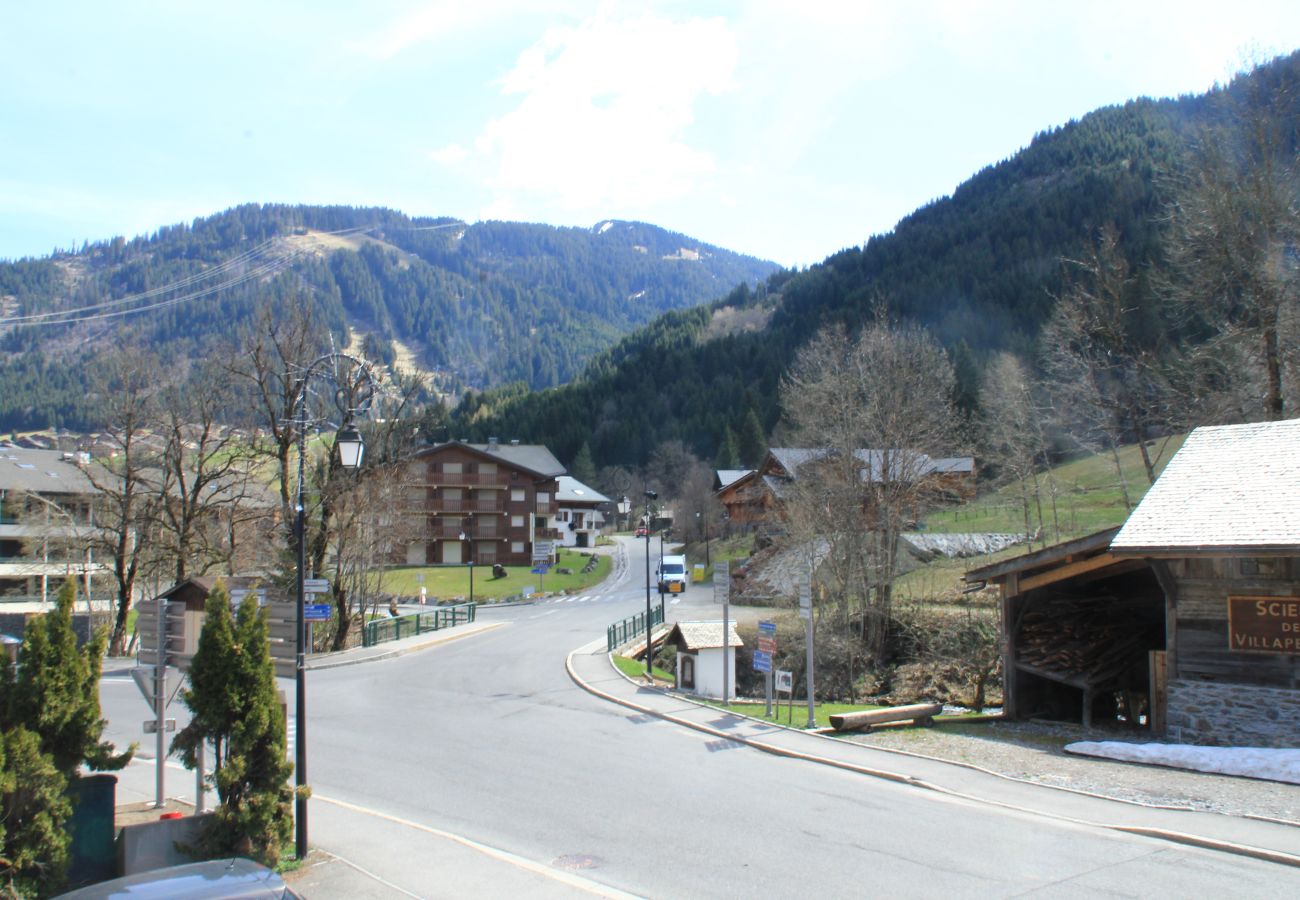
784, 130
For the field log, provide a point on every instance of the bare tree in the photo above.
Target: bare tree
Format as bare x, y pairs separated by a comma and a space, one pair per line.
209, 491
1235, 222
1014, 436
1102, 353
127, 482
877, 408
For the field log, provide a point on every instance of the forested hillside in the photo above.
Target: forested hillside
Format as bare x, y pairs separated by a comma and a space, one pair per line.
477, 305
982, 270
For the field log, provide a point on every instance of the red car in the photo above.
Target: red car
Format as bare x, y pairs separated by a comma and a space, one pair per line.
642, 532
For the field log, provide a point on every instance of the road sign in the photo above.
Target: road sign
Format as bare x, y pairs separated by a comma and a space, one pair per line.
238, 594
151, 726
539, 570
767, 645
721, 582
762, 661
143, 678
784, 681
315, 586
805, 597
542, 550
317, 612
767, 628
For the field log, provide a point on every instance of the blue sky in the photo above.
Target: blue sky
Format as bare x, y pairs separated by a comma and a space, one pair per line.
787, 130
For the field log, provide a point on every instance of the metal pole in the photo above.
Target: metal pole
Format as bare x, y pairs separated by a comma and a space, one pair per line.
808, 632
160, 704
300, 669
198, 779
649, 630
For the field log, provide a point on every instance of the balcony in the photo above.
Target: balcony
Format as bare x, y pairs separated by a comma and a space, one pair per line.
466, 479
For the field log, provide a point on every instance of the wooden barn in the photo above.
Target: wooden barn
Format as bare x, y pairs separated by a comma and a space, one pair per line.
1221, 530
1186, 618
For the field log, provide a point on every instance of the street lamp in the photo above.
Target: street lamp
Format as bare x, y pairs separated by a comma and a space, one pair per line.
649, 655
354, 389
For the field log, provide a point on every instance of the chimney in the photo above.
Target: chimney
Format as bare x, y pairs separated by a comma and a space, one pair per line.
493, 443
514, 442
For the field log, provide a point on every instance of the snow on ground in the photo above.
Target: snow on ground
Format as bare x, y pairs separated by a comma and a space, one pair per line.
1252, 762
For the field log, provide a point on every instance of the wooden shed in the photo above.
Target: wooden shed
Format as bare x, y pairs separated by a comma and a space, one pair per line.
1220, 529
1081, 626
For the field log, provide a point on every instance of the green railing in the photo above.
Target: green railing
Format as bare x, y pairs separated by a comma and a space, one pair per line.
620, 633
379, 631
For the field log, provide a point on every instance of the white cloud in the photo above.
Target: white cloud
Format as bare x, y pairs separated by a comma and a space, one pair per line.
604, 113
450, 155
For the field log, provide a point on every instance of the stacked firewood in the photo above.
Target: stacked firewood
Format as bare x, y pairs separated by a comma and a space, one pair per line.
1086, 640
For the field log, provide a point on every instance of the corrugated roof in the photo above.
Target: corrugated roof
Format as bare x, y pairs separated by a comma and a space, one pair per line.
572, 490
1230, 487
703, 635
901, 465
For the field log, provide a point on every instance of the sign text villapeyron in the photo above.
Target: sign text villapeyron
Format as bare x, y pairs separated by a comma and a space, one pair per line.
1264, 624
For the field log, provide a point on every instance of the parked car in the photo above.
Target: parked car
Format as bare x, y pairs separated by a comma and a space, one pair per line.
642, 531
216, 879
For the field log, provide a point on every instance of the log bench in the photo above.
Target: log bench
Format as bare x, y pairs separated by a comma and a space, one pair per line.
918, 713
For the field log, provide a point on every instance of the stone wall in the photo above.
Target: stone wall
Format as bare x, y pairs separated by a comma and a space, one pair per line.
1241, 715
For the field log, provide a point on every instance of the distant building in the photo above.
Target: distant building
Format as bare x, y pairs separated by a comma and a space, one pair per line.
46, 522
482, 503
579, 518
753, 497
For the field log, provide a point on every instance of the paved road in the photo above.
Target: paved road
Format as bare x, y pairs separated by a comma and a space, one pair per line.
477, 768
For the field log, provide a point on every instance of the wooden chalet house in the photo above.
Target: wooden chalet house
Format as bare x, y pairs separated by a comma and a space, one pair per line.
753, 498
482, 503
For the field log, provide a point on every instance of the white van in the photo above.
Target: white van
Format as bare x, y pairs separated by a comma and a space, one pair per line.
674, 577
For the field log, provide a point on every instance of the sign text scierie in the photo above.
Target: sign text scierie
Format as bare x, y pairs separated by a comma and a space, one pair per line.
1264, 624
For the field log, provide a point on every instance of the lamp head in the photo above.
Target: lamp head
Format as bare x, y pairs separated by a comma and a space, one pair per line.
351, 447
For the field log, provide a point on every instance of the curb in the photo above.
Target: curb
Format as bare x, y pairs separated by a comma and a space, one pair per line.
1260, 853
402, 651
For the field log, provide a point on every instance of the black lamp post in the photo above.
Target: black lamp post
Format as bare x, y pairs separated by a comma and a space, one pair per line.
649, 655
353, 394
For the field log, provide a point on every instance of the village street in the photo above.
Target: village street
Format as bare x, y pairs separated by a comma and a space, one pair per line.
478, 767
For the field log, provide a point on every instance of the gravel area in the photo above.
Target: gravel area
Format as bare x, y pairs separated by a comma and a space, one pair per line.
1032, 751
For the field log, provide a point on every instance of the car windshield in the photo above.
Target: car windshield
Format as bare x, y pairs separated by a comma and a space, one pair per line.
674, 569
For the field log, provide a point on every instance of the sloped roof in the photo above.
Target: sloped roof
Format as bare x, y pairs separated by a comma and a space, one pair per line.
535, 458
1229, 488
41, 472
572, 490
702, 635
726, 477
897, 464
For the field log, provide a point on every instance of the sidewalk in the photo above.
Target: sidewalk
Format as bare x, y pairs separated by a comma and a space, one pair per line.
590, 669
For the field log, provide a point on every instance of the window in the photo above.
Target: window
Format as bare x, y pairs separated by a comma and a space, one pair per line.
452, 468
516, 546
516, 521
487, 468
517, 495
543, 499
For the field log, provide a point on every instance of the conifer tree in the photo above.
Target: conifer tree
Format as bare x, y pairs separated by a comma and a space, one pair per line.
753, 443
233, 700
584, 467
34, 808
56, 691
728, 457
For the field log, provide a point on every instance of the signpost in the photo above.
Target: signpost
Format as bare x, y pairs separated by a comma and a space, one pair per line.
721, 593
785, 684
805, 610
766, 646
317, 612
314, 586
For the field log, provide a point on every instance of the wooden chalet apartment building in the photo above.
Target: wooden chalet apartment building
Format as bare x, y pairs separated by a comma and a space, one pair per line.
482, 503
752, 497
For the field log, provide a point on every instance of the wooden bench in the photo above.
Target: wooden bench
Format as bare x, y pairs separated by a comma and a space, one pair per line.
918, 713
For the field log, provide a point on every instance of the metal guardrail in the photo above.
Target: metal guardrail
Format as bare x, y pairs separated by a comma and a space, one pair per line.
620, 633
379, 631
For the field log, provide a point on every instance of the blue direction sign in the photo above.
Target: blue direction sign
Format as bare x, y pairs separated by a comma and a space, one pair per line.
317, 612
768, 628
539, 570
762, 661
